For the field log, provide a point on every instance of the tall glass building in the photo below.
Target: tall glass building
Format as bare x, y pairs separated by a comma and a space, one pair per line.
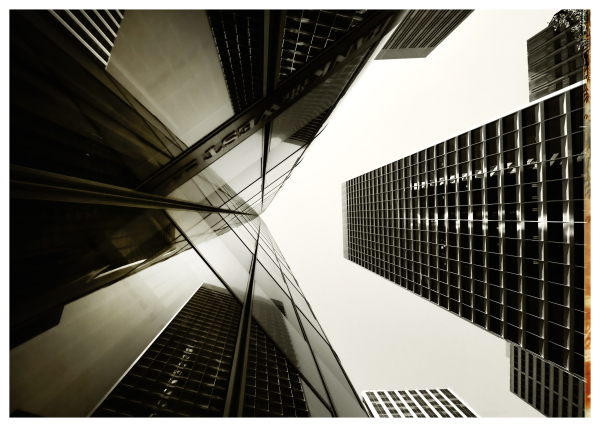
488, 225
143, 147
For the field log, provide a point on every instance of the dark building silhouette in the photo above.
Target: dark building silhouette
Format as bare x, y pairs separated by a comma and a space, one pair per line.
144, 144
488, 225
545, 386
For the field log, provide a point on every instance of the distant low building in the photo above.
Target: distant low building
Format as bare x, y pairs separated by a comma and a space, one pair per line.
432, 403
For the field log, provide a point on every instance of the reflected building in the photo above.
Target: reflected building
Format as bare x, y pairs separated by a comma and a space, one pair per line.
488, 225
431, 403
144, 145
186, 369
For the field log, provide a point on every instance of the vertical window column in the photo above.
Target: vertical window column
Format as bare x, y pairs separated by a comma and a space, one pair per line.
575, 125
450, 244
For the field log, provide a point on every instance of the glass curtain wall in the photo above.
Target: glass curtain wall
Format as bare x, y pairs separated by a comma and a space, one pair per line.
99, 292
70, 367
488, 225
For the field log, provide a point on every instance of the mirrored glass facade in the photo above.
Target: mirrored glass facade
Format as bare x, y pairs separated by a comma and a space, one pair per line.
488, 225
143, 146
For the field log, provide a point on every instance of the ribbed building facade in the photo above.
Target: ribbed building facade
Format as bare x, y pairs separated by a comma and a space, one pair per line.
431, 403
421, 32
488, 225
555, 60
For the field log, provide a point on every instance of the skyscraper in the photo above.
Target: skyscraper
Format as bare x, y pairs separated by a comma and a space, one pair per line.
422, 31
548, 388
185, 371
488, 225
555, 59
432, 403
144, 145
137, 175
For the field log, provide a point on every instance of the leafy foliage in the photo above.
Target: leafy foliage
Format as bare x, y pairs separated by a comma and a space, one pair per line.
574, 20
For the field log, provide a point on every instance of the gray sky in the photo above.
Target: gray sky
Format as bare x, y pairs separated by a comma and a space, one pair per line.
387, 337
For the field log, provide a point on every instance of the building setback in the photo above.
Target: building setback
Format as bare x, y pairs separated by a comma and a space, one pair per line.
432, 403
544, 386
487, 225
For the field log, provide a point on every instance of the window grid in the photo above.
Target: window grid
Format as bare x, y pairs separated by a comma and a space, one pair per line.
238, 36
273, 385
378, 408
185, 372
386, 401
413, 406
538, 377
456, 402
488, 225
308, 32
446, 404
400, 404
554, 61
424, 405
433, 402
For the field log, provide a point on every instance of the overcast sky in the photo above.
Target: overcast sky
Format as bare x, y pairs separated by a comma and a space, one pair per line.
388, 337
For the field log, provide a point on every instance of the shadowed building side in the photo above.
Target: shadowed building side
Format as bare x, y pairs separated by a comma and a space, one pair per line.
545, 386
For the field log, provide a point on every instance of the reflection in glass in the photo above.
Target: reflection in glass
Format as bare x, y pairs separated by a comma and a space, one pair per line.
305, 309
346, 404
323, 351
287, 338
222, 249
277, 295
279, 151
133, 311
315, 406
282, 169
226, 177
97, 246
